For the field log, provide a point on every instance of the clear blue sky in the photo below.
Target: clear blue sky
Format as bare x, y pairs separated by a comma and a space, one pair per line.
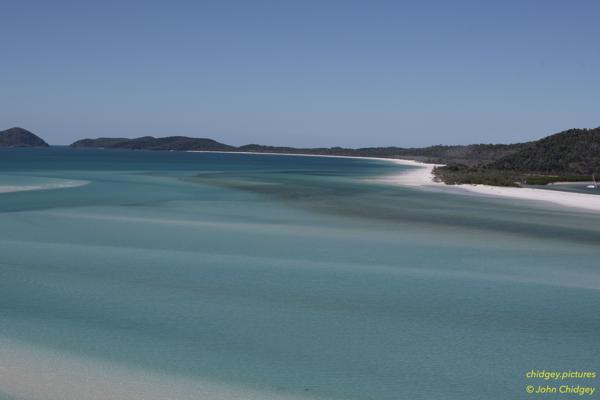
302, 73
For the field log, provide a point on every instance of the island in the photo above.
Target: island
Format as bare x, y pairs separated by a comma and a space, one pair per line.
179, 143
19, 137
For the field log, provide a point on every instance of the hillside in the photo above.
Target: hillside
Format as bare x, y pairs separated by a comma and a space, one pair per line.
19, 137
572, 155
151, 143
576, 151
100, 142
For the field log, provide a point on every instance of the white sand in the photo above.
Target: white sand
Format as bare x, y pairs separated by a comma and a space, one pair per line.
423, 176
589, 202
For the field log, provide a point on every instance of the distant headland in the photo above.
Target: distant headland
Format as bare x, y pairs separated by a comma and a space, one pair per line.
19, 137
572, 155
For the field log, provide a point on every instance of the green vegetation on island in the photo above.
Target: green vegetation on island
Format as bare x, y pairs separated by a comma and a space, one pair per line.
572, 155
19, 137
152, 143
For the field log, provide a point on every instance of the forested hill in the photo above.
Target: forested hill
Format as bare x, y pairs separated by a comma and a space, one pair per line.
576, 151
152, 143
572, 155
19, 137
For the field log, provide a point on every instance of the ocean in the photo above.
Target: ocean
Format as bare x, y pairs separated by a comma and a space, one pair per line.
155, 275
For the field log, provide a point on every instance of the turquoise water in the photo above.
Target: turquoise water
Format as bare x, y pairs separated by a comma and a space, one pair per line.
284, 276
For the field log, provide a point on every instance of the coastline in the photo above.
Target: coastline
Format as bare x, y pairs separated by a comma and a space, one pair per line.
583, 201
422, 176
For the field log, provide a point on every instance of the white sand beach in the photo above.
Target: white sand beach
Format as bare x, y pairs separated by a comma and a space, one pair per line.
568, 199
423, 176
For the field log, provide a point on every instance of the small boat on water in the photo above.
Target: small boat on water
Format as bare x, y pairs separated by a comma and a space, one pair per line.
595, 185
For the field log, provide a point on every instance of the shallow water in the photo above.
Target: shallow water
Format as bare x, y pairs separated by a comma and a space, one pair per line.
577, 187
196, 275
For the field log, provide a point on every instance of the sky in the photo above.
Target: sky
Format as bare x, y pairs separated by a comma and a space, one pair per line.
301, 73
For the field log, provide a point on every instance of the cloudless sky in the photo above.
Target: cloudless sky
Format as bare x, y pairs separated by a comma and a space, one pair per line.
301, 73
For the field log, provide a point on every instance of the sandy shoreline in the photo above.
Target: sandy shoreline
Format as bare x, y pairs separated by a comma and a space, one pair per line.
589, 202
422, 176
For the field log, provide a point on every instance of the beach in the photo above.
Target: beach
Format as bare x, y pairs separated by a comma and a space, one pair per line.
574, 200
423, 176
